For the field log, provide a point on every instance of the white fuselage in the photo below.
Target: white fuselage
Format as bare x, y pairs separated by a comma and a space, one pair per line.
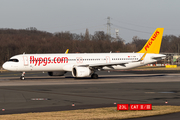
65, 62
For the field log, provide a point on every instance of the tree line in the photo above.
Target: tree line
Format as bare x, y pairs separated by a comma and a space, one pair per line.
31, 40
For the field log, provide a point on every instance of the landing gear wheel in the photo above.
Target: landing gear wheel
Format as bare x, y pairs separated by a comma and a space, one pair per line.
94, 76
22, 78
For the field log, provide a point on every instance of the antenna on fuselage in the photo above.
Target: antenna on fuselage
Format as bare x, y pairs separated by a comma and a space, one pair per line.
23, 53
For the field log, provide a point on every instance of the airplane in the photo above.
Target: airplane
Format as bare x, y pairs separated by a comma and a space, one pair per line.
87, 64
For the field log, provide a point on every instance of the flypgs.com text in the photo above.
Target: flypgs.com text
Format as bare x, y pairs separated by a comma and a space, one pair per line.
152, 39
47, 60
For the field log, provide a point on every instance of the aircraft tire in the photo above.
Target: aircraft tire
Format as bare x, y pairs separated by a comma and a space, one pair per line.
94, 76
22, 78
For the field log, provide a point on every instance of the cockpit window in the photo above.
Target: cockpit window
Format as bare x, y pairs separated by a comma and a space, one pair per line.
14, 60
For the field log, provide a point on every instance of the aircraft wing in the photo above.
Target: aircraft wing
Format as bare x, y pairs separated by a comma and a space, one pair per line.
67, 51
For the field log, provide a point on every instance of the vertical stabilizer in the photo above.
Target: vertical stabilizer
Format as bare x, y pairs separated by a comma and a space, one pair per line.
153, 45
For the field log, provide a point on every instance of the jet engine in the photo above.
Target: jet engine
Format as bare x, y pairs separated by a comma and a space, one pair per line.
56, 73
79, 71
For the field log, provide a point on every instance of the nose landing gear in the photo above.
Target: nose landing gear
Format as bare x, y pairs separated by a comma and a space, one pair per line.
22, 76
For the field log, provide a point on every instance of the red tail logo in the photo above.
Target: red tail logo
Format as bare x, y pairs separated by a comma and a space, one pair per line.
152, 40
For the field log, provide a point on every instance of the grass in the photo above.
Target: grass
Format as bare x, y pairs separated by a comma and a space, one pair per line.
92, 114
156, 68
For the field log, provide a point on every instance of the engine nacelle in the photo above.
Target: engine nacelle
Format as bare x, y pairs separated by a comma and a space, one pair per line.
56, 73
79, 71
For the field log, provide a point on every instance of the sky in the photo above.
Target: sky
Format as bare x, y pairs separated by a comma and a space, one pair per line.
132, 17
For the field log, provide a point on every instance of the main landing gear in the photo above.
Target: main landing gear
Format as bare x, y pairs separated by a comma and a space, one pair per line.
94, 76
22, 76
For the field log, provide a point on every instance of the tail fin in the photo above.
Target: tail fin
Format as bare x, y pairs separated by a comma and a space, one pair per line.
153, 45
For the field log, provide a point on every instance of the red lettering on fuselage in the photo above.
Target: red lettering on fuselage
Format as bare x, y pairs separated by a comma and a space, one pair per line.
152, 40
47, 60
36, 61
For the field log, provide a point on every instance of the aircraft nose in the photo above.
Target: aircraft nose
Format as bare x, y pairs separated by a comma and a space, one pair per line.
5, 66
